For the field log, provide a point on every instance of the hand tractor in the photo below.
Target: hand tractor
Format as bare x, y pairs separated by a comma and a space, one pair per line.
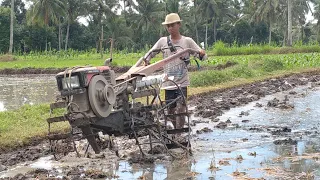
97, 102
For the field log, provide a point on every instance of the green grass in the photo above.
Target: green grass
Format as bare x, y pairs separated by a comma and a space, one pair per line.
18, 127
54, 61
253, 66
209, 77
71, 58
221, 49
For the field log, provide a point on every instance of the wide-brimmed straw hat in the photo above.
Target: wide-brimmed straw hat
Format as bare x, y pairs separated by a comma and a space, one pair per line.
172, 18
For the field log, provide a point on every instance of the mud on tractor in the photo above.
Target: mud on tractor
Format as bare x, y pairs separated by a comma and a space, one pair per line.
96, 101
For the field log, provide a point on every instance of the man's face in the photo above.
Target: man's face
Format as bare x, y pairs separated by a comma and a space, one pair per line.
173, 28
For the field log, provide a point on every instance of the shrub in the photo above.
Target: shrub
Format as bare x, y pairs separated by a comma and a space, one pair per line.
219, 48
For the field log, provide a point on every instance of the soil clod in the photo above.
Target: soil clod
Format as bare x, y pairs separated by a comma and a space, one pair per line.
287, 141
221, 125
204, 130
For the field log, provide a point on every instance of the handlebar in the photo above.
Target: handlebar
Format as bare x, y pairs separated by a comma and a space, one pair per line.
189, 50
158, 65
161, 49
147, 70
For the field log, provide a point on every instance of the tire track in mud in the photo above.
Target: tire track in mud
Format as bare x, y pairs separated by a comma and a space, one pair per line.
208, 105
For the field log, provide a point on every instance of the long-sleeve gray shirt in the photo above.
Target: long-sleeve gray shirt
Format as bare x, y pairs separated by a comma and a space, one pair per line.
177, 68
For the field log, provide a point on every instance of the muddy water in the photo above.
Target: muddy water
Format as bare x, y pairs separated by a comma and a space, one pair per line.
18, 90
257, 138
257, 142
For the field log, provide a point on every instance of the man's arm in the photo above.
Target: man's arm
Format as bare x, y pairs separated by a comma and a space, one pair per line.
150, 54
194, 45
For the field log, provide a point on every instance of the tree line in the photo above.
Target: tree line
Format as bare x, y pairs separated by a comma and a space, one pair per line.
134, 25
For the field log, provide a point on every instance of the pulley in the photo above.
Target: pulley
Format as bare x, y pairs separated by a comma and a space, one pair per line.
101, 96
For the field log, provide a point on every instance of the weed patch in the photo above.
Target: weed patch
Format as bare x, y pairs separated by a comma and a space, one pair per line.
270, 65
242, 71
209, 77
7, 58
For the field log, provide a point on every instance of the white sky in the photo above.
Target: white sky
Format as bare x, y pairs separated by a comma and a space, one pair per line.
309, 15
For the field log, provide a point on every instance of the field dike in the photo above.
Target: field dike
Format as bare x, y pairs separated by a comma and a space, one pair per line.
117, 69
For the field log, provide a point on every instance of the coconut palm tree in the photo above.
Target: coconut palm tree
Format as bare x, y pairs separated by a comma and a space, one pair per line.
44, 12
267, 10
74, 9
172, 6
287, 20
289, 42
115, 28
300, 8
316, 15
47, 12
11, 27
19, 9
214, 11
148, 19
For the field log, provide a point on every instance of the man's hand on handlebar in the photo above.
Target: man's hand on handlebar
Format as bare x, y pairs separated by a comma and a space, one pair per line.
145, 62
202, 53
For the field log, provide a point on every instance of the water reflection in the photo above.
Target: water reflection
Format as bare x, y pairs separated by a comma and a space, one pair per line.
299, 157
18, 90
177, 170
198, 166
2, 106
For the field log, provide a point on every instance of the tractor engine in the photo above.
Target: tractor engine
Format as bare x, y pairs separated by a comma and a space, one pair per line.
88, 95
89, 90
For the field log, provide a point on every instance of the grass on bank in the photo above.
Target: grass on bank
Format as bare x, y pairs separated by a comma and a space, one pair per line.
18, 126
71, 58
253, 66
222, 49
130, 59
54, 61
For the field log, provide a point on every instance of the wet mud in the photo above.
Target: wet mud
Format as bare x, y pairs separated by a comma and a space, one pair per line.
264, 130
212, 105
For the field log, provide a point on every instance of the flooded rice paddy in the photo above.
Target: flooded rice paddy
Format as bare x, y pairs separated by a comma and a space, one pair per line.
18, 90
275, 136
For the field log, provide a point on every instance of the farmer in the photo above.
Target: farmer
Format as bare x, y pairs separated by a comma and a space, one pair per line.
177, 68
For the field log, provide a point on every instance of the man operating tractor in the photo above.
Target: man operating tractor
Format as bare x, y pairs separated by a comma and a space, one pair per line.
170, 45
98, 101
